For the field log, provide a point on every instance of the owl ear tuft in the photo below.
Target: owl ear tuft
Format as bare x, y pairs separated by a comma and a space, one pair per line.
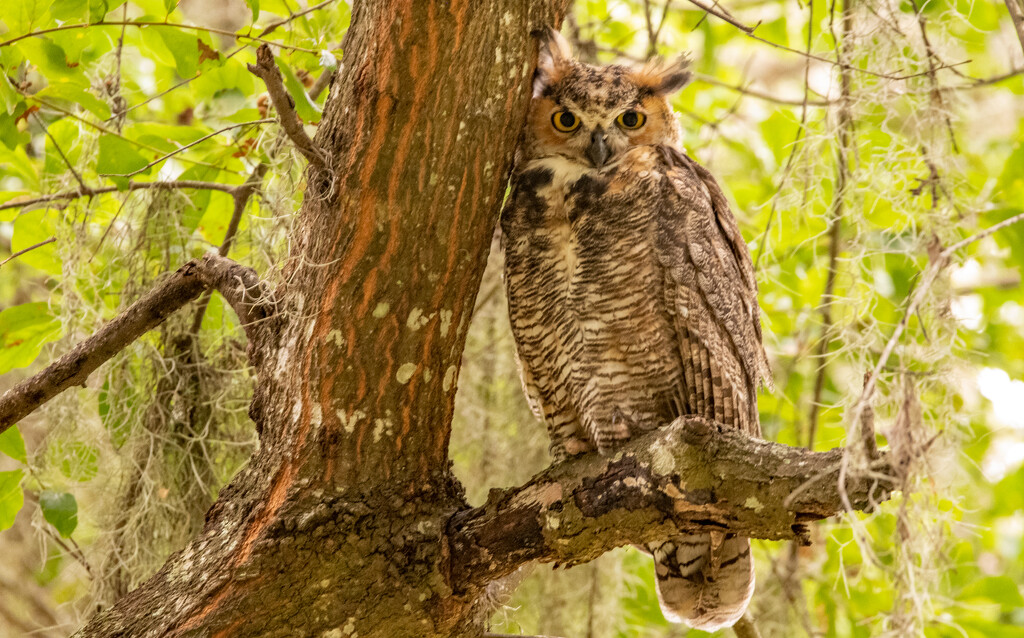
664, 77
554, 55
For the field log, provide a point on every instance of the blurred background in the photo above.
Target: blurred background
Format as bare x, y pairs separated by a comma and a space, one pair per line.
855, 141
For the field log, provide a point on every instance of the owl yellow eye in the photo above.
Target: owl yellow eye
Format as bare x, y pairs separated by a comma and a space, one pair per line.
631, 120
565, 121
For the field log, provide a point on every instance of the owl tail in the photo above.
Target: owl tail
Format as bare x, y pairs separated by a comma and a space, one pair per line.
704, 580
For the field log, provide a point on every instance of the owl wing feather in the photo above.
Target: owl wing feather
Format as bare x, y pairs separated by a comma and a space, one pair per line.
712, 292
707, 579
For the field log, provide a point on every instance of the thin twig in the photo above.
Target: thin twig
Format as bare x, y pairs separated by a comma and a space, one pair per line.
25, 250
132, 186
46, 130
722, 14
707, 79
186, 147
266, 69
103, 129
846, 132
147, 23
321, 83
298, 14
933, 80
226, 56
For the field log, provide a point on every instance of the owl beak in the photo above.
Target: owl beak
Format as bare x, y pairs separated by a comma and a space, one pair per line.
598, 149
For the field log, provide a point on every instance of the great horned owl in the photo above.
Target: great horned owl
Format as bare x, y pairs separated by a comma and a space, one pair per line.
631, 293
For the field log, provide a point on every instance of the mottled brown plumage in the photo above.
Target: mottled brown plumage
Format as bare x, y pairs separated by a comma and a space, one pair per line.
631, 293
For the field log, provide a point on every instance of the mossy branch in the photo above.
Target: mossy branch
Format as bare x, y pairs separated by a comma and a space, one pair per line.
239, 285
690, 476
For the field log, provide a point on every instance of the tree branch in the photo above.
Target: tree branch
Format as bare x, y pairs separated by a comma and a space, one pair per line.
132, 186
722, 14
266, 69
1016, 10
239, 285
690, 476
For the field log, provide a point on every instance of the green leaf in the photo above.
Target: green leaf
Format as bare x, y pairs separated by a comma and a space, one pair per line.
10, 134
998, 589
31, 228
70, 10
11, 497
22, 17
64, 134
13, 445
254, 6
60, 510
184, 46
118, 157
51, 61
308, 110
98, 9
9, 97
232, 74
200, 199
23, 331
77, 95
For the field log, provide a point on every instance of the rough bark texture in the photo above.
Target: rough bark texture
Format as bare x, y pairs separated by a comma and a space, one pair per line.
347, 521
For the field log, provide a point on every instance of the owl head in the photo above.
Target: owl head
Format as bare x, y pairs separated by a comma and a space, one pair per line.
592, 114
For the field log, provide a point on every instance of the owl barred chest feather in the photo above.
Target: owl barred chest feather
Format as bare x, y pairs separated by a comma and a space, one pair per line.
588, 301
631, 294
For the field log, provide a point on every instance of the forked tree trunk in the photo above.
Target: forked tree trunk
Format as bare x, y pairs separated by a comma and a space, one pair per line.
335, 528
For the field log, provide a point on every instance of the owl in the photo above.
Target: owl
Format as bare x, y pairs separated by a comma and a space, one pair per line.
631, 293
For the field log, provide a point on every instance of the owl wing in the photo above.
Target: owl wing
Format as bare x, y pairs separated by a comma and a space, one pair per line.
712, 292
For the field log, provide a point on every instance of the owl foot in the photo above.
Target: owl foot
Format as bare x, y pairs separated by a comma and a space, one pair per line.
610, 435
567, 448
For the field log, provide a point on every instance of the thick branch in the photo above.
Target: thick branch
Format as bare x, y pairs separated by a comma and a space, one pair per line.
239, 285
266, 69
690, 476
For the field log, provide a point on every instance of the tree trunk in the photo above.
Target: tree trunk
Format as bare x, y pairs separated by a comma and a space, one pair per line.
336, 526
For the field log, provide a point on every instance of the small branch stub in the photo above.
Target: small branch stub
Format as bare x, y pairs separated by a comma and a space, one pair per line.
266, 69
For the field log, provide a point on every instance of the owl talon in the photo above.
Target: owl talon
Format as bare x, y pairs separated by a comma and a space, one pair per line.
568, 448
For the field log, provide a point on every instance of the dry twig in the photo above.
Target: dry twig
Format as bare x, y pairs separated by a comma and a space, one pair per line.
266, 69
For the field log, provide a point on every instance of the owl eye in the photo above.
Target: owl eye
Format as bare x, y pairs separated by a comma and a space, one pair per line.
631, 120
565, 121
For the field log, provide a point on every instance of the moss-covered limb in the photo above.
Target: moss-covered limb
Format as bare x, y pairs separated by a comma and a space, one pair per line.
239, 285
692, 475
